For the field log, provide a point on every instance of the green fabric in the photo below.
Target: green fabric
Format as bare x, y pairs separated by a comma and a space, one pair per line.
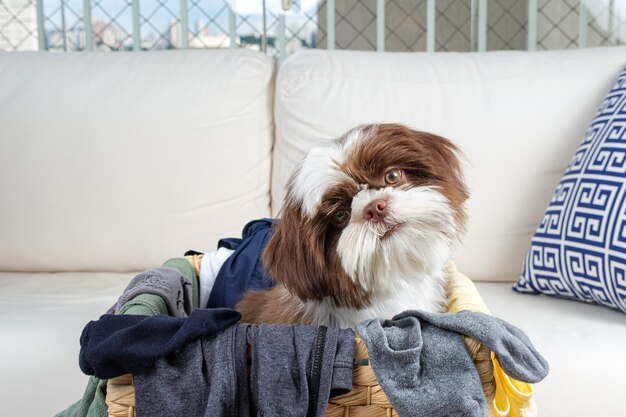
183, 266
145, 305
92, 404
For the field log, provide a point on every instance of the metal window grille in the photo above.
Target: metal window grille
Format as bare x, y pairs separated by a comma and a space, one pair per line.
284, 26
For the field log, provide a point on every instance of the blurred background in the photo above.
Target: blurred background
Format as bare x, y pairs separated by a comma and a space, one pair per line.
281, 27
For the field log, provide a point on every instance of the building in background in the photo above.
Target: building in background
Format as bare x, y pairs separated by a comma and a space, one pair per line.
18, 25
108, 36
69, 40
200, 38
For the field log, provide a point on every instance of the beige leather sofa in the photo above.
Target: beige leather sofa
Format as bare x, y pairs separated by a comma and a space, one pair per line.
112, 163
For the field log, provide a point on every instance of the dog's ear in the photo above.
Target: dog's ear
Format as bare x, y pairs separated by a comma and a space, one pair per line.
302, 256
448, 174
441, 162
293, 256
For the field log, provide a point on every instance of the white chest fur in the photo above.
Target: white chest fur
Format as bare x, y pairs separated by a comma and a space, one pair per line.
417, 292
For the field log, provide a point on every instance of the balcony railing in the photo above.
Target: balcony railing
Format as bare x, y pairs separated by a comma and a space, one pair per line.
281, 27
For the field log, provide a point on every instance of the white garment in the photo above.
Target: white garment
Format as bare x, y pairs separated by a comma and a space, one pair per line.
210, 265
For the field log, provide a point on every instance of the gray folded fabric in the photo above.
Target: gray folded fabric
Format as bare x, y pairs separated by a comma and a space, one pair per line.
295, 370
172, 286
208, 377
422, 364
515, 352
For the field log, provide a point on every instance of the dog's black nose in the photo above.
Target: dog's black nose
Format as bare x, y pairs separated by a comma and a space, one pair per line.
375, 211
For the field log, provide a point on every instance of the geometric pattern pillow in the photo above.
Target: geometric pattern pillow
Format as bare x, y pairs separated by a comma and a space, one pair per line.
579, 248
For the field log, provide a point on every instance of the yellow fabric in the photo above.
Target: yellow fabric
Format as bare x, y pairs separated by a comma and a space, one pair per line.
512, 398
462, 293
195, 261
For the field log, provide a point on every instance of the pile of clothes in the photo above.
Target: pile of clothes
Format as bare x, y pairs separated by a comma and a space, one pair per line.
189, 355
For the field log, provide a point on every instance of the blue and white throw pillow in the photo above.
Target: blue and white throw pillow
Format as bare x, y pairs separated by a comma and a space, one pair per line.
579, 248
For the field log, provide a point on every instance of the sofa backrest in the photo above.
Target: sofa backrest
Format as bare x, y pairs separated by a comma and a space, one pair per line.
118, 161
517, 116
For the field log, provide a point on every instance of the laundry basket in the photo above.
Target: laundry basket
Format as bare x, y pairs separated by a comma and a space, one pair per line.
367, 398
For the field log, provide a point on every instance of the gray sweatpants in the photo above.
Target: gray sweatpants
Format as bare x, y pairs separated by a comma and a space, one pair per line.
295, 369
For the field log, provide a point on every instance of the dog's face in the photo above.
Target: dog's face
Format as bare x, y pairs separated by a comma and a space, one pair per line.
379, 202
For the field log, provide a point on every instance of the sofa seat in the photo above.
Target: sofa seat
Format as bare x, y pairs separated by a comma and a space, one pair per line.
585, 345
42, 316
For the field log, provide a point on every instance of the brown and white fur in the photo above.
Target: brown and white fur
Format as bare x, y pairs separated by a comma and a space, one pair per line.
368, 227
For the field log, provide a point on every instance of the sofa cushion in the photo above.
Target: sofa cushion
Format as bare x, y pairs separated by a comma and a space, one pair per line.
515, 115
116, 162
579, 248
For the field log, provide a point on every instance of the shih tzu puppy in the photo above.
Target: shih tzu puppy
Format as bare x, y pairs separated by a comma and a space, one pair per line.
367, 229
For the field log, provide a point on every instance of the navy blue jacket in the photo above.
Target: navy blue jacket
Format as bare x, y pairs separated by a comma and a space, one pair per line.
243, 270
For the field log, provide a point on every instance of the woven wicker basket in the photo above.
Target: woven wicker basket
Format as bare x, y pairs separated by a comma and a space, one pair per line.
367, 398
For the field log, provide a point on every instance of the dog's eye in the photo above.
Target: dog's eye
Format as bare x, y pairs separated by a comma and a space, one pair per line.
340, 216
393, 176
